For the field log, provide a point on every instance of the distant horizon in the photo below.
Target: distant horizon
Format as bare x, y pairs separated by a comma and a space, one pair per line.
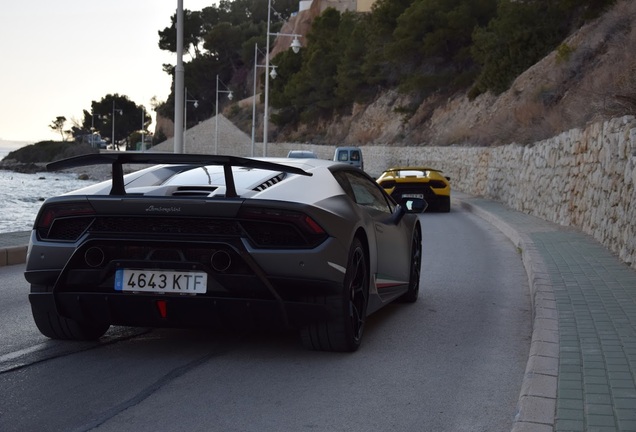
14, 144
80, 52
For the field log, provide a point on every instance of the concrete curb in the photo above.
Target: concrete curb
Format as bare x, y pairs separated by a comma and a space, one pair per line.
13, 255
536, 408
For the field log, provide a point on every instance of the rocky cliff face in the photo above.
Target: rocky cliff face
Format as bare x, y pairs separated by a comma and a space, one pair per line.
590, 78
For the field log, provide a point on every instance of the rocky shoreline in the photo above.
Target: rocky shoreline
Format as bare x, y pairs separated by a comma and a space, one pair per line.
91, 172
22, 167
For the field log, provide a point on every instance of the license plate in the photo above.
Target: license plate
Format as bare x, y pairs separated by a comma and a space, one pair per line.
413, 196
163, 281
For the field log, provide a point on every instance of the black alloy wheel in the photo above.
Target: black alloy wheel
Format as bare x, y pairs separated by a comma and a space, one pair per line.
412, 294
343, 329
357, 284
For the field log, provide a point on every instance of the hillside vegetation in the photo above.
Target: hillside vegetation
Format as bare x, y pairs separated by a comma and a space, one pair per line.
590, 76
418, 71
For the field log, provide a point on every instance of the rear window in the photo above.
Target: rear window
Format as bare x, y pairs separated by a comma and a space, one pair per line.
214, 176
301, 154
343, 155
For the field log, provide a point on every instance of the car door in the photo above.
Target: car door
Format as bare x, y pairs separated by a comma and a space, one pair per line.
392, 247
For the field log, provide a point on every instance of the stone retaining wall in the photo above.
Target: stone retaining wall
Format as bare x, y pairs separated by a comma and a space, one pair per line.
585, 178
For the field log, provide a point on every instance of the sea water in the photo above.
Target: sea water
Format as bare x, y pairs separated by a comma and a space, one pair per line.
21, 195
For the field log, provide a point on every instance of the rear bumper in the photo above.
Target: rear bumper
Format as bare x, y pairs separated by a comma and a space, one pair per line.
428, 193
262, 285
146, 310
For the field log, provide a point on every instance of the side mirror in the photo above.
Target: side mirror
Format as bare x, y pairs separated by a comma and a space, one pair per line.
398, 214
414, 205
408, 205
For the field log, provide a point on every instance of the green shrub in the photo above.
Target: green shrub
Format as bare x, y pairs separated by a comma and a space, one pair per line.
563, 52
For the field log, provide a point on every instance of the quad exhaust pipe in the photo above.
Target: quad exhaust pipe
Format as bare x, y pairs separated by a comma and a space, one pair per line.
94, 256
220, 261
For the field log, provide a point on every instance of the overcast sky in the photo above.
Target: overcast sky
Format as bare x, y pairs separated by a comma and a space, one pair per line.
59, 55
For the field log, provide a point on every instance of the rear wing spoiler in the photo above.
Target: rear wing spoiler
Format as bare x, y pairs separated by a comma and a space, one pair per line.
117, 160
414, 168
396, 169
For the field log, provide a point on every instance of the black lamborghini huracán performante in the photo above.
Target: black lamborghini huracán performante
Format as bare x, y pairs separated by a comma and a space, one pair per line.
196, 240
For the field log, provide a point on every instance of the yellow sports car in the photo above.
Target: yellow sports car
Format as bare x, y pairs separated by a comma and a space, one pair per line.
418, 182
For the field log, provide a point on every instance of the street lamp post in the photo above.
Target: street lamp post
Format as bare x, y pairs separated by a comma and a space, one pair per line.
185, 116
254, 99
179, 73
143, 127
295, 46
93, 120
113, 125
273, 75
216, 126
92, 135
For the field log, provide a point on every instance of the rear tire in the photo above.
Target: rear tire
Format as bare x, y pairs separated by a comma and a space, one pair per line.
443, 204
342, 330
413, 292
54, 326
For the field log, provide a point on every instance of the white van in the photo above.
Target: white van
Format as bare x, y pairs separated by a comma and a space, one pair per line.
350, 155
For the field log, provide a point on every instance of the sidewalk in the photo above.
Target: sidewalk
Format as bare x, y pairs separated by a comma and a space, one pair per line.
581, 372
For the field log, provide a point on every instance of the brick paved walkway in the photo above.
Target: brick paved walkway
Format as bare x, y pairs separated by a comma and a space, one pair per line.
581, 374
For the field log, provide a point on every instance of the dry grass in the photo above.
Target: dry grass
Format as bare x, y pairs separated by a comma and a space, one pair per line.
362, 136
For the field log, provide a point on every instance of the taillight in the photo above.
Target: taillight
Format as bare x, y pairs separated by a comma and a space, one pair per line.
313, 225
279, 228
68, 214
437, 184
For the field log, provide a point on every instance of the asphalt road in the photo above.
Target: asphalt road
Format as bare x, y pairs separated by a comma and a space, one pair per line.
453, 361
